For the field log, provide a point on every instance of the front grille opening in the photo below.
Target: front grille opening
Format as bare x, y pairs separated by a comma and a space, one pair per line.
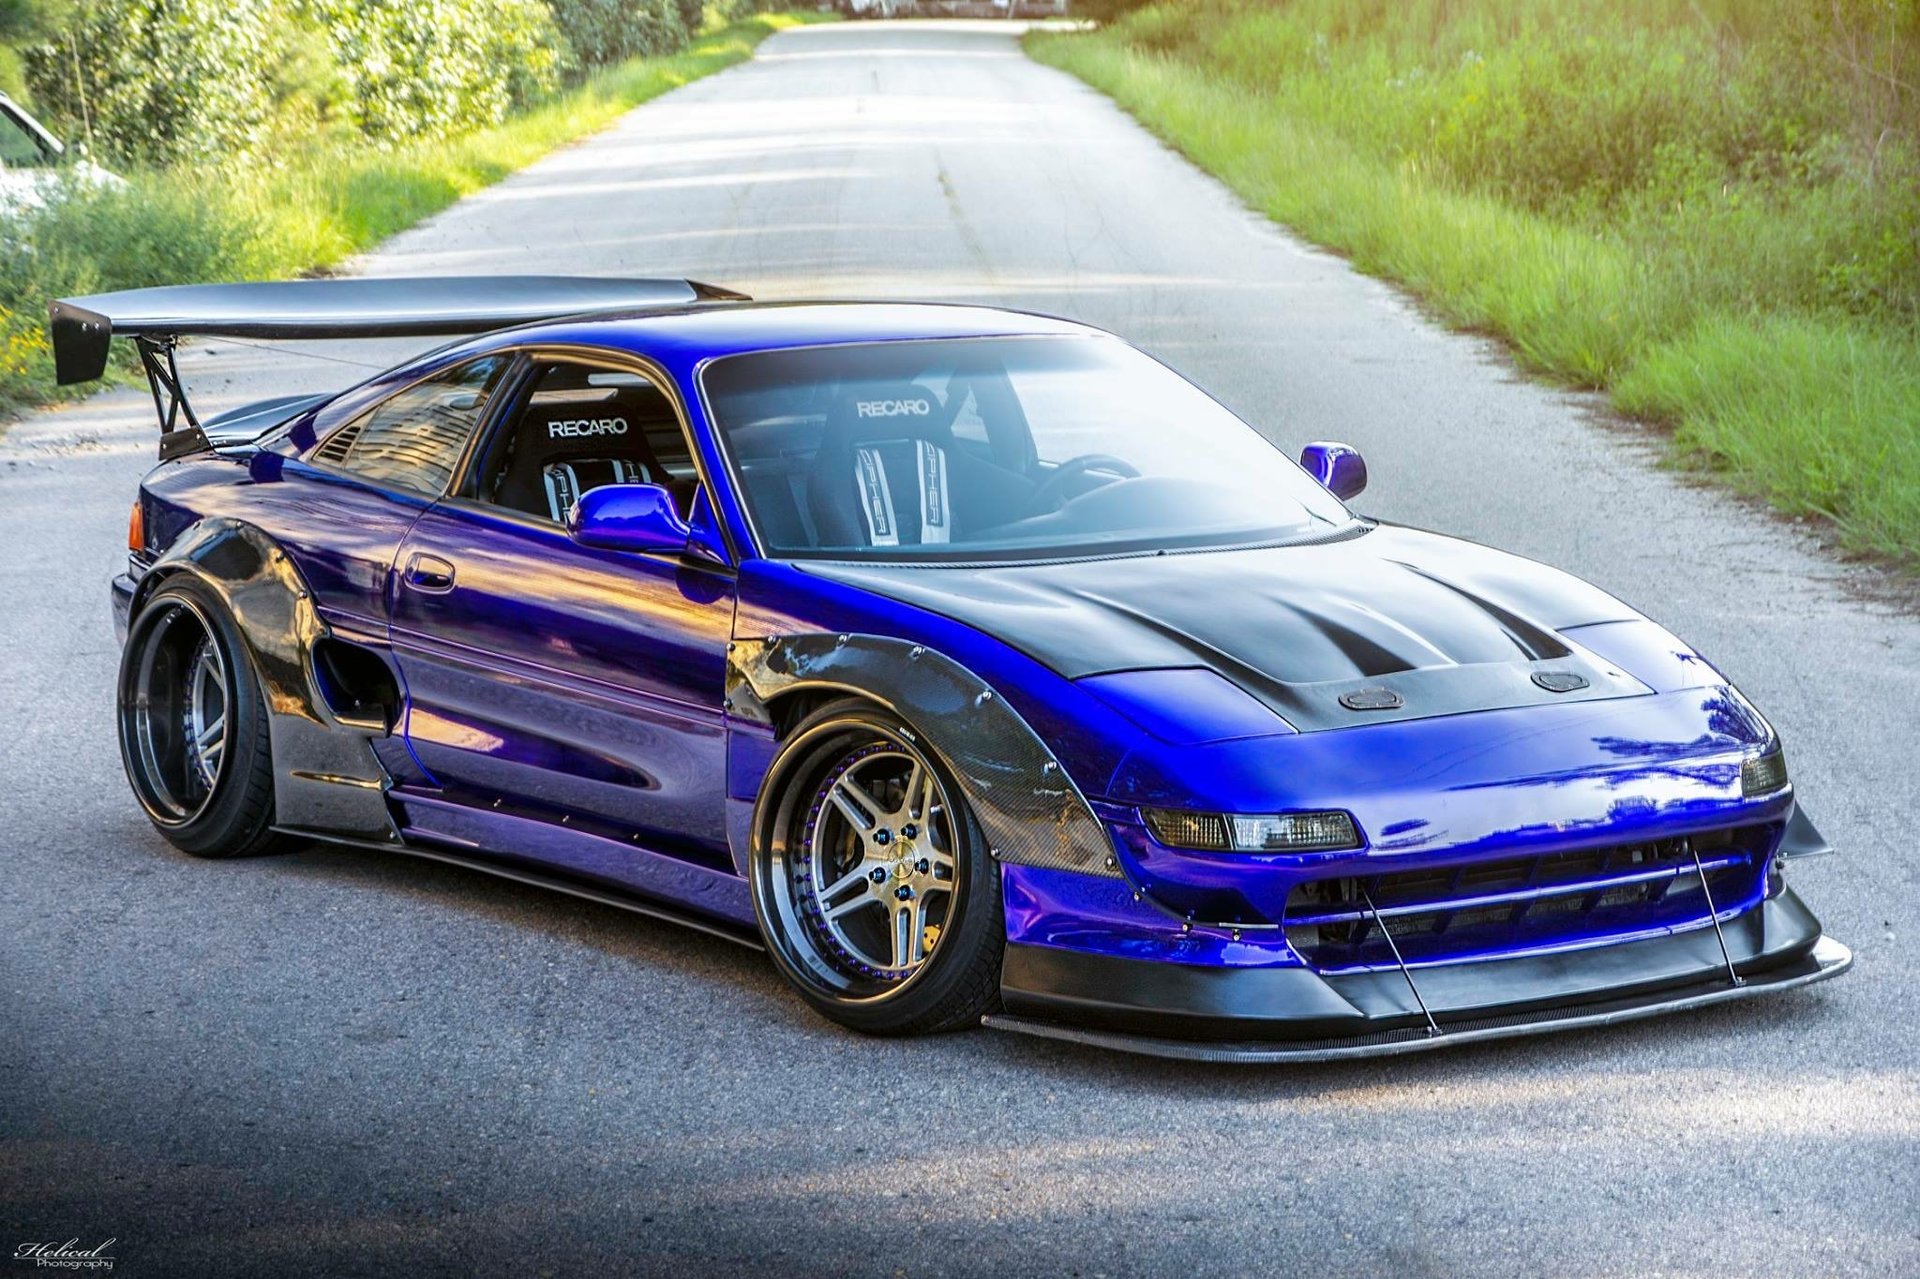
1485, 907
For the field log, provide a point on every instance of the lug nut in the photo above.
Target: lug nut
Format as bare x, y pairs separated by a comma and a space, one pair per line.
909, 831
923, 865
878, 875
883, 836
904, 893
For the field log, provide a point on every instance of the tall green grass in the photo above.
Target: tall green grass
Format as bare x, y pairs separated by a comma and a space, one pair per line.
306, 213
1708, 208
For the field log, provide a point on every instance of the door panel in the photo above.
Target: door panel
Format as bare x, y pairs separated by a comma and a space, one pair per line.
566, 684
361, 486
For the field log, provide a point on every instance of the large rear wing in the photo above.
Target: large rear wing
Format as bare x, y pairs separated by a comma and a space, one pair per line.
156, 319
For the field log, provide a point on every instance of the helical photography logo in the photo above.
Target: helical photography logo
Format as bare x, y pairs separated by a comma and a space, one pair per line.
66, 1256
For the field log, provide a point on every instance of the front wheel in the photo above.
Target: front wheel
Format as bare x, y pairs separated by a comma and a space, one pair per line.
873, 889
193, 726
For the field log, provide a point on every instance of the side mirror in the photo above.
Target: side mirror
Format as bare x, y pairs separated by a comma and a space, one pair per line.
628, 517
1339, 468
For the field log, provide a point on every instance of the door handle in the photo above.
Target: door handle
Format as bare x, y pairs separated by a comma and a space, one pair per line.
429, 573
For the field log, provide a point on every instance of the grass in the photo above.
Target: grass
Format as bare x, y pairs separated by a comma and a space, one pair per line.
307, 212
1656, 198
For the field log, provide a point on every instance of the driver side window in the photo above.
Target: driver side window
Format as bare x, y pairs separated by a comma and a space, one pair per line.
575, 428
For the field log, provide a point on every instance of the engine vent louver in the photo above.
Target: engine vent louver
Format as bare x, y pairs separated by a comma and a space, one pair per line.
338, 445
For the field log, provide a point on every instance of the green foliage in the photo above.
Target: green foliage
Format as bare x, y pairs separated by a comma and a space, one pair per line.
436, 67
94, 239
1640, 195
600, 32
159, 81
13, 74
20, 21
322, 201
20, 18
1814, 414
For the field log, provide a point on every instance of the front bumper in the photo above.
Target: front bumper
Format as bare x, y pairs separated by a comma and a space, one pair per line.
1291, 1013
122, 597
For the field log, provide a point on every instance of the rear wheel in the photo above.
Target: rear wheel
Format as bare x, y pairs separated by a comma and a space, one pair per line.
193, 726
873, 889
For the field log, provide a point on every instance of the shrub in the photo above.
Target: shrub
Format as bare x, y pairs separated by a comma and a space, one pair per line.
21, 22
334, 196
602, 32
438, 67
94, 240
161, 81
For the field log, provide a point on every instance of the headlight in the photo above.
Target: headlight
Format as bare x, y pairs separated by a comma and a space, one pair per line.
1238, 833
1763, 774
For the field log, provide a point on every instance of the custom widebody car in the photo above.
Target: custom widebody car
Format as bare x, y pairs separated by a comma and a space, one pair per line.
974, 663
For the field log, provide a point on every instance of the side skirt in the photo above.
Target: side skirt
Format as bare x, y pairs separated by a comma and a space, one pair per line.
556, 883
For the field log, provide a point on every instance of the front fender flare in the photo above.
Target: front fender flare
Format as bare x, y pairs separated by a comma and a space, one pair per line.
1029, 809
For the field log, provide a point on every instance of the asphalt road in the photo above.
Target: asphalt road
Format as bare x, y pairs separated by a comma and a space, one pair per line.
331, 1063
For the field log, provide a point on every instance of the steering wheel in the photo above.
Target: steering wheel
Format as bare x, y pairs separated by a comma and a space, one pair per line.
1045, 498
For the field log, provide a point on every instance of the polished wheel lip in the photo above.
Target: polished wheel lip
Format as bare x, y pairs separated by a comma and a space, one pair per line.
782, 865
175, 711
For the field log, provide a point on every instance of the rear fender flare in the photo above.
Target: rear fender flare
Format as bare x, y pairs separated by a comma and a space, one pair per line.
327, 780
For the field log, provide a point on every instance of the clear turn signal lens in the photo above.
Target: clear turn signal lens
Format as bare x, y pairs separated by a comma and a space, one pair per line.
1294, 833
1275, 833
1764, 774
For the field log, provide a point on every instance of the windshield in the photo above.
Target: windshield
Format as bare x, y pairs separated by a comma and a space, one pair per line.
996, 448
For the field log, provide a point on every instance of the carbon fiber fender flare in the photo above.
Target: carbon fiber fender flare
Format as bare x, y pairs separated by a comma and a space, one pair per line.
327, 780
1030, 811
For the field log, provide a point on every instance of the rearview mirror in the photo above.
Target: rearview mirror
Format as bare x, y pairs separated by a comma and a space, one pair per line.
628, 517
1339, 468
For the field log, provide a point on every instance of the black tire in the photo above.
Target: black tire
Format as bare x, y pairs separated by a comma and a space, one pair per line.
886, 963
180, 645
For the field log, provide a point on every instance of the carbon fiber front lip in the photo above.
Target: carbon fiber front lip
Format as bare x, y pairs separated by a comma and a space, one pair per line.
1828, 958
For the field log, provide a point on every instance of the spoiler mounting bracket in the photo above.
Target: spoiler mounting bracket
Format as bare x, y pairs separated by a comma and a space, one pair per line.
163, 377
170, 401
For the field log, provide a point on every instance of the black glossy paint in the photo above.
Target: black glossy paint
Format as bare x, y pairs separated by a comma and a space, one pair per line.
83, 328
1385, 624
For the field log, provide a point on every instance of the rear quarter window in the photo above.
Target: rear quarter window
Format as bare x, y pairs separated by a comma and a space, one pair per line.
413, 440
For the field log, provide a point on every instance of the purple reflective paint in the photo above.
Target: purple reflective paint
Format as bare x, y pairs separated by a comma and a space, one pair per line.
1339, 468
629, 517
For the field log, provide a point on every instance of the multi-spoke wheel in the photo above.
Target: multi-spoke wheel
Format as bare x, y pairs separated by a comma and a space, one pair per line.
193, 731
876, 862
871, 888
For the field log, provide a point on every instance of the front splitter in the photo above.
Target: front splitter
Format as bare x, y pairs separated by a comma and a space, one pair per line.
1828, 958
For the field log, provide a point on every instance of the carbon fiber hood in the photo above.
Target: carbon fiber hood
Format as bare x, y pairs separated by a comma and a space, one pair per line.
1388, 624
